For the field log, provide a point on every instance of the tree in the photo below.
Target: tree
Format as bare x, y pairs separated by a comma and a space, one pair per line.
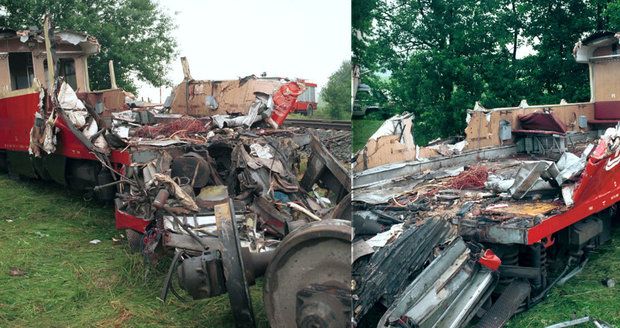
135, 34
443, 56
337, 93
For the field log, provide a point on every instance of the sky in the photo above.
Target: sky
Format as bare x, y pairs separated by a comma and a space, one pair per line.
231, 39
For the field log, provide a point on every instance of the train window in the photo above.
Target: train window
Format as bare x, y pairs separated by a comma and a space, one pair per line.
312, 94
308, 95
21, 69
66, 68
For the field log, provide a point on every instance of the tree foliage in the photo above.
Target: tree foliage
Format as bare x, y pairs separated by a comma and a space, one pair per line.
443, 56
337, 92
135, 34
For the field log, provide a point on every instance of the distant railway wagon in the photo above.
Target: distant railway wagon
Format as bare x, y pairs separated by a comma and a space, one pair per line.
306, 102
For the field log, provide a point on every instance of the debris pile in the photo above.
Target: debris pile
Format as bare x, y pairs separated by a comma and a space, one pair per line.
497, 202
180, 128
337, 142
472, 178
211, 190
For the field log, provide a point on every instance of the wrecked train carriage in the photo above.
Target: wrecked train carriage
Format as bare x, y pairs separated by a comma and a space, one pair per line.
228, 206
23, 100
240, 102
532, 190
239, 185
220, 200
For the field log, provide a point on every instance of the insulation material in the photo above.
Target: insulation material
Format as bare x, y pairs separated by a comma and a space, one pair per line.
35, 135
67, 98
261, 151
72, 38
444, 149
383, 238
49, 137
78, 118
498, 184
90, 131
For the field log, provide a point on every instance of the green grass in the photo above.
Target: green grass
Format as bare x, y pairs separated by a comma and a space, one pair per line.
584, 295
362, 130
317, 115
72, 283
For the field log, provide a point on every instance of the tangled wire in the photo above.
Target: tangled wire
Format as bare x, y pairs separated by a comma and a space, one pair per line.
472, 178
182, 128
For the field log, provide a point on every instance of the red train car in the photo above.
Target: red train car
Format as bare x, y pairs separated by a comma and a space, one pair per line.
306, 102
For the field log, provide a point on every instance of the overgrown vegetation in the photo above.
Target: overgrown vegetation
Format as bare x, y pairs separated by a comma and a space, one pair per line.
136, 34
437, 58
68, 282
337, 93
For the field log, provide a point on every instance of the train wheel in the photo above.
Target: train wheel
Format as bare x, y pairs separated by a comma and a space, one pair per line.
307, 283
309, 110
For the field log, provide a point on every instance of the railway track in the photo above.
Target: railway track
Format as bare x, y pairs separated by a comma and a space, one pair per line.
319, 124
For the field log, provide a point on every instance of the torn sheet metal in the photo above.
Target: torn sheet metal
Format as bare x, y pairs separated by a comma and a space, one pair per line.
384, 191
527, 178
359, 249
259, 110
323, 170
445, 294
571, 166
388, 270
391, 143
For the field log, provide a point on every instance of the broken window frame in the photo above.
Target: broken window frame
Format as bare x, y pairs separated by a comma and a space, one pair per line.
63, 64
15, 67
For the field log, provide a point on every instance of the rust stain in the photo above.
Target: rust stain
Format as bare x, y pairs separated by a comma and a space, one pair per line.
521, 209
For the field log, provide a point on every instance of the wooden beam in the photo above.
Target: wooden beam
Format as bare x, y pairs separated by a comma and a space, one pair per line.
47, 25
112, 75
185, 64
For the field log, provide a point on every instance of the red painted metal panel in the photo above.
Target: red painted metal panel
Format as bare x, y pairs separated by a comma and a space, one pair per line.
16, 120
598, 189
120, 157
284, 101
69, 145
127, 221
